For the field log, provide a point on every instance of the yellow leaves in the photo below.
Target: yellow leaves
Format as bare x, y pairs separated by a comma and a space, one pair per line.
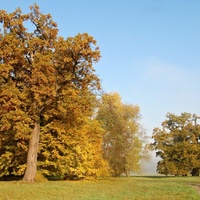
67, 59
82, 44
122, 133
20, 170
76, 149
46, 78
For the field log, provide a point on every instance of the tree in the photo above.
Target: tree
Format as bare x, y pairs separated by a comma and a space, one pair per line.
177, 144
71, 141
37, 67
123, 141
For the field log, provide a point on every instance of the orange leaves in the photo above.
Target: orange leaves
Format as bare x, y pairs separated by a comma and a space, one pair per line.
45, 78
67, 60
75, 57
85, 46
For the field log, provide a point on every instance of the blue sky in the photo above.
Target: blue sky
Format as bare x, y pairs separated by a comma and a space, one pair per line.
150, 49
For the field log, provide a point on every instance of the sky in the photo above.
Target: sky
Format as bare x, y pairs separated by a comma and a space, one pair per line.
150, 49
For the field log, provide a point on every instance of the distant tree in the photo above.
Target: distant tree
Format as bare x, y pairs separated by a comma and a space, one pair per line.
123, 141
37, 70
177, 143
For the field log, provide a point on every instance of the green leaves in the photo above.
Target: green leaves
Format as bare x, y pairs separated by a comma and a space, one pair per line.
177, 143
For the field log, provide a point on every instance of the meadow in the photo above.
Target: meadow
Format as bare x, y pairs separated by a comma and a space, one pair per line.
136, 188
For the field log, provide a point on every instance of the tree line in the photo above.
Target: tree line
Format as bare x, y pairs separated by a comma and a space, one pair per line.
53, 117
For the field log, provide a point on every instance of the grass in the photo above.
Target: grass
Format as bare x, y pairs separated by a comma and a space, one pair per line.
136, 188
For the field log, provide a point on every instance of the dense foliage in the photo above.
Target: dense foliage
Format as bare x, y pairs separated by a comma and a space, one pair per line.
177, 143
123, 141
48, 105
47, 90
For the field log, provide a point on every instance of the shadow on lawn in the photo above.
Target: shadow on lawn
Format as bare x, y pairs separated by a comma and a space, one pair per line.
157, 177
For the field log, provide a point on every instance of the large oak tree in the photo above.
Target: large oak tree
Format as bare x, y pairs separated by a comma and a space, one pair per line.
37, 71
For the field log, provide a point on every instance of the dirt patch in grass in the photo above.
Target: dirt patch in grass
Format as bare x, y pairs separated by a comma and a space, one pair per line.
196, 186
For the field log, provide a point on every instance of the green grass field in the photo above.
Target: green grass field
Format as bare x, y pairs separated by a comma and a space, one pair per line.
137, 188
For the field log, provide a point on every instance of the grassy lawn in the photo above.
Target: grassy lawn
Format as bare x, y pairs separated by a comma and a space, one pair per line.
137, 188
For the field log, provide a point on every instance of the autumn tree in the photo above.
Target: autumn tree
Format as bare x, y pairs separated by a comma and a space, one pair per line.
71, 140
37, 71
177, 144
123, 141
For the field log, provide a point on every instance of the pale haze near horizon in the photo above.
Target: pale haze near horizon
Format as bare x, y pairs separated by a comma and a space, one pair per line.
150, 50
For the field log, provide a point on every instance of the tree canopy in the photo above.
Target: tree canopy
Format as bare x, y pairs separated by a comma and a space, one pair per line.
123, 140
177, 143
47, 91
51, 116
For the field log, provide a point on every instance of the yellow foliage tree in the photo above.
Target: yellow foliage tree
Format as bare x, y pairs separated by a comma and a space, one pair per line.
123, 142
37, 71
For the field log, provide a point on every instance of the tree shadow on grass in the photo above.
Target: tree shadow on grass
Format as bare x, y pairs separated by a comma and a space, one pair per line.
155, 177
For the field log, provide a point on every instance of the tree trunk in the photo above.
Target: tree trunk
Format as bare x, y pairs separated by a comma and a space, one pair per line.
128, 174
31, 170
195, 172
